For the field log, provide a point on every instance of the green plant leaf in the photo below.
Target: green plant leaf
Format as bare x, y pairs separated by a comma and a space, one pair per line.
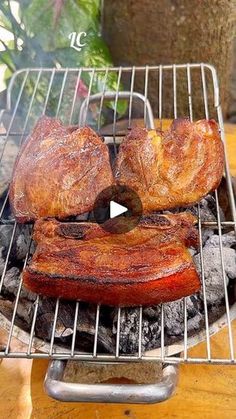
6, 58
39, 19
7, 74
91, 7
5, 22
46, 43
9, 21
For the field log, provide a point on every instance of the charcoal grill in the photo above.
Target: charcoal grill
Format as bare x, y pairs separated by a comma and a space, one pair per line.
132, 86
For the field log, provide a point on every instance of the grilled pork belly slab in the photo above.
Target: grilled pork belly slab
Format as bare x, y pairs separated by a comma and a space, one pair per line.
59, 172
174, 168
148, 265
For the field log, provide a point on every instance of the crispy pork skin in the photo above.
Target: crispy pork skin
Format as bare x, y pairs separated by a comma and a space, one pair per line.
59, 172
148, 265
174, 168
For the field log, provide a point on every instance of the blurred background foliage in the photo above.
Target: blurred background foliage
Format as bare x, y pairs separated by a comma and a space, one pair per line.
40, 38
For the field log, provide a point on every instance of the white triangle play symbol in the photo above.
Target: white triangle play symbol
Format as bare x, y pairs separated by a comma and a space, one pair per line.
116, 209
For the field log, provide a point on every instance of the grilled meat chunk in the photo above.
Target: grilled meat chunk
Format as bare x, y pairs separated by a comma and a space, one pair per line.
174, 168
148, 265
59, 172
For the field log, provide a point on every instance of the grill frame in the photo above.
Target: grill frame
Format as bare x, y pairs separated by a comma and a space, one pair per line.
165, 353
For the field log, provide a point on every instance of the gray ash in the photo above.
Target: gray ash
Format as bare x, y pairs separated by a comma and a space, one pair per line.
207, 208
20, 243
129, 327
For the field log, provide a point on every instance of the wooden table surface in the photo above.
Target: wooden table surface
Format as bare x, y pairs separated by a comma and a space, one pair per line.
203, 391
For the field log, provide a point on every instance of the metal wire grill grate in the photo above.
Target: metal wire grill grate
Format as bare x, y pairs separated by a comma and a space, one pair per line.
62, 93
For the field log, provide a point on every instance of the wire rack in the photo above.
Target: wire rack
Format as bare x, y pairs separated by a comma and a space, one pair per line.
63, 90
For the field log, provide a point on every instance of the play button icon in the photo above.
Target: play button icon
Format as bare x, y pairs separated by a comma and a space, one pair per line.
117, 209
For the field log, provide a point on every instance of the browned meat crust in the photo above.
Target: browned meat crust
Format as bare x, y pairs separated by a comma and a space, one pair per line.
59, 172
174, 168
148, 265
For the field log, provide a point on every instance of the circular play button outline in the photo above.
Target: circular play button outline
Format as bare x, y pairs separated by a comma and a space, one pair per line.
118, 209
